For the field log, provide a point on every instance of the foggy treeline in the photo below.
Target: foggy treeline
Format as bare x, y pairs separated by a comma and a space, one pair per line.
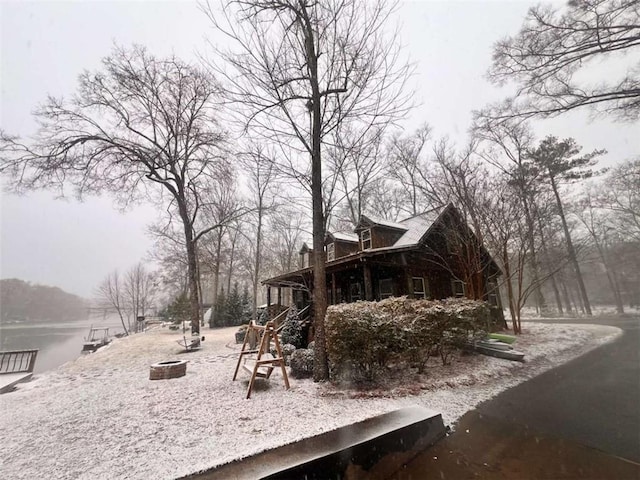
23, 302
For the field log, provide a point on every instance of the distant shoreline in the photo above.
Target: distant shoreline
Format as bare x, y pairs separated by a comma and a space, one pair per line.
57, 342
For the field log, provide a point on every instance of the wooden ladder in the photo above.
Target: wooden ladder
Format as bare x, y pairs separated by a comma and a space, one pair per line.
265, 362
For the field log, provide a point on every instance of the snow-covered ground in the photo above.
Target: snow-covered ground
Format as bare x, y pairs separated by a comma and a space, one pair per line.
101, 417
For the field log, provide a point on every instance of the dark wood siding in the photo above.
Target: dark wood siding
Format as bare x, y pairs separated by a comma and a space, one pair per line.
343, 249
384, 237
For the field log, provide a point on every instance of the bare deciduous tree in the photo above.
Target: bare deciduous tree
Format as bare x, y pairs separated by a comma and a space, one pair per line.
509, 143
128, 295
621, 196
408, 166
601, 232
140, 288
110, 297
302, 68
555, 46
262, 177
141, 125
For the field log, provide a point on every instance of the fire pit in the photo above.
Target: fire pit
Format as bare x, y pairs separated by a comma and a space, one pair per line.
168, 369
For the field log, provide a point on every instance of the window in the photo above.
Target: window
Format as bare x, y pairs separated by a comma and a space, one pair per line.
366, 238
386, 288
306, 259
458, 288
331, 252
356, 292
419, 288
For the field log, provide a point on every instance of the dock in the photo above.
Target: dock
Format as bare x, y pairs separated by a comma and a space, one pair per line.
16, 366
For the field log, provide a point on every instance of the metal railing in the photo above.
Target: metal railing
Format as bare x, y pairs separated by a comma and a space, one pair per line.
17, 361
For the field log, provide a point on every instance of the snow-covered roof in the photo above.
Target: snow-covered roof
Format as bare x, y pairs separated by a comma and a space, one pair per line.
345, 237
417, 227
384, 223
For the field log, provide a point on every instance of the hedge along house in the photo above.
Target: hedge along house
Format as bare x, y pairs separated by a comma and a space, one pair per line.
433, 255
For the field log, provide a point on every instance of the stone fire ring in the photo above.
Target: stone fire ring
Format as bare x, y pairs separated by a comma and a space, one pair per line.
168, 369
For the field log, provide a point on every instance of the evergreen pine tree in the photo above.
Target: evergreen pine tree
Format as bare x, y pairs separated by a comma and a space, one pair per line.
220, 310
292, 331
246, 304
234, 307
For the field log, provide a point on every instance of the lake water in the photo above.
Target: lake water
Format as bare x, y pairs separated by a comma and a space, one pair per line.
58, 342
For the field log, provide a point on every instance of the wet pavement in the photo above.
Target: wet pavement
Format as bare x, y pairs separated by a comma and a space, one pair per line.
578, 421
485, 448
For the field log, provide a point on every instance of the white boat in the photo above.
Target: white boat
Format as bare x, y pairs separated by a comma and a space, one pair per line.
98, 337
497, 344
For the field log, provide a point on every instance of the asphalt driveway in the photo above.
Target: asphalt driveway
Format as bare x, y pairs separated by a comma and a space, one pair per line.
580, 420
593, 400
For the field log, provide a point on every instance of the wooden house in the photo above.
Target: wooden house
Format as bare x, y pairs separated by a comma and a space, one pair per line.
434, 255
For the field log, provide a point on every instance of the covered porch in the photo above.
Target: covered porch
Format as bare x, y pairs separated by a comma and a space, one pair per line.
364, 277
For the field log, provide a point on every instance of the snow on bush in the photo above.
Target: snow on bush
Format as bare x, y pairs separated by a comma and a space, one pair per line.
292, 330
302, 363
363, 338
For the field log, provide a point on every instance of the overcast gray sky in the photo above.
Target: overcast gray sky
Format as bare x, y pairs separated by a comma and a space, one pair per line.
45, 45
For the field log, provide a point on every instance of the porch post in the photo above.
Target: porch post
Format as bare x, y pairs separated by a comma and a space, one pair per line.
268, 302
279, 295
368, 287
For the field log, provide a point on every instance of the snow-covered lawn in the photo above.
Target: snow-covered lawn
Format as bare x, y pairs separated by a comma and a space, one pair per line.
101, 417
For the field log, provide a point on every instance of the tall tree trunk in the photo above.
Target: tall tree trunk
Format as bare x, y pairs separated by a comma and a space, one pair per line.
200, 295
320, 366
256, 265
192, 269
535, 268
565, 291
552, 275
232, 257
570, 249
610, 275
216, 278
507, 273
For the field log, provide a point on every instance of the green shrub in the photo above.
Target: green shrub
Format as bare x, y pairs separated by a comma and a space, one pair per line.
263, 316
287, 351
364, 337
361, 340
301, 363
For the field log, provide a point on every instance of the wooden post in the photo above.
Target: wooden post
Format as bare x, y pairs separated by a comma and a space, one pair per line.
268, 302
368, 287
279, 296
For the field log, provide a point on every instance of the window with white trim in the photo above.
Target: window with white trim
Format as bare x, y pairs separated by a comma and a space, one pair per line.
458, 288
331, 252
366, 238
386, 288
419, 288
